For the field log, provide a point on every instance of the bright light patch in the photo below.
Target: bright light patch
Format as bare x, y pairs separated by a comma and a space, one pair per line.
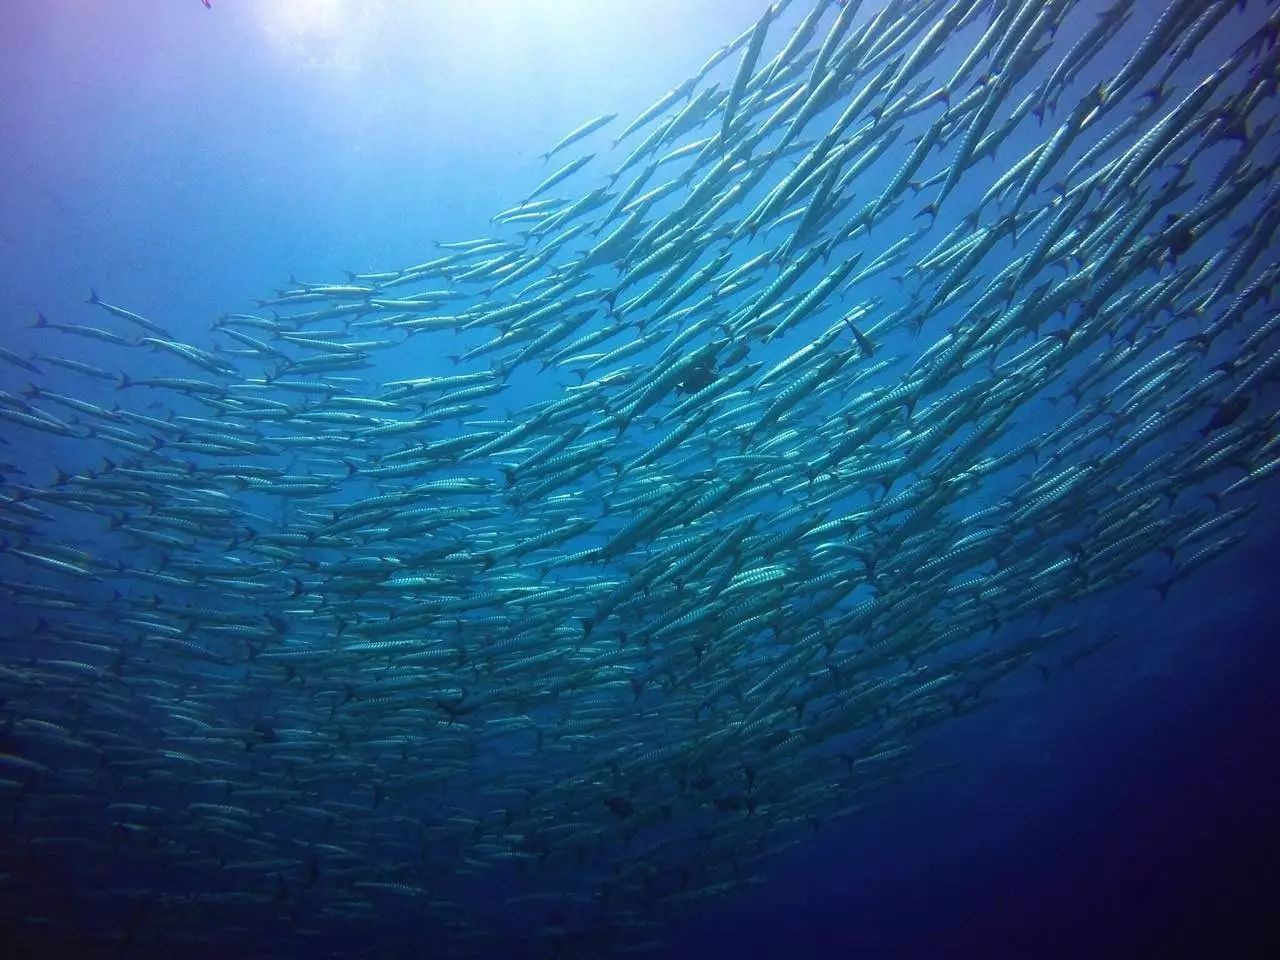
317, 33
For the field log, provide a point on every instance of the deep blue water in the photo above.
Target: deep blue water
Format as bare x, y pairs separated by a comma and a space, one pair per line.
1125, 809
184, 161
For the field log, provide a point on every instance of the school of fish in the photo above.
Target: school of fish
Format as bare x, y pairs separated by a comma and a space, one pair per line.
307, 651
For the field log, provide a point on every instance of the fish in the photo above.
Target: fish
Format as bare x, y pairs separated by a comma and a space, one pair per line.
579, 132
129, 315
18, 361
568, 170
1227, 413
745, 69
682, 90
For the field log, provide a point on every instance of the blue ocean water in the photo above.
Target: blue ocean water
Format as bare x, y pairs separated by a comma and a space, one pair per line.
184, 162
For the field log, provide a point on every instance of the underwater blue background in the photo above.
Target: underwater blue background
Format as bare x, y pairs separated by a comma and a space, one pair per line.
183, 161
